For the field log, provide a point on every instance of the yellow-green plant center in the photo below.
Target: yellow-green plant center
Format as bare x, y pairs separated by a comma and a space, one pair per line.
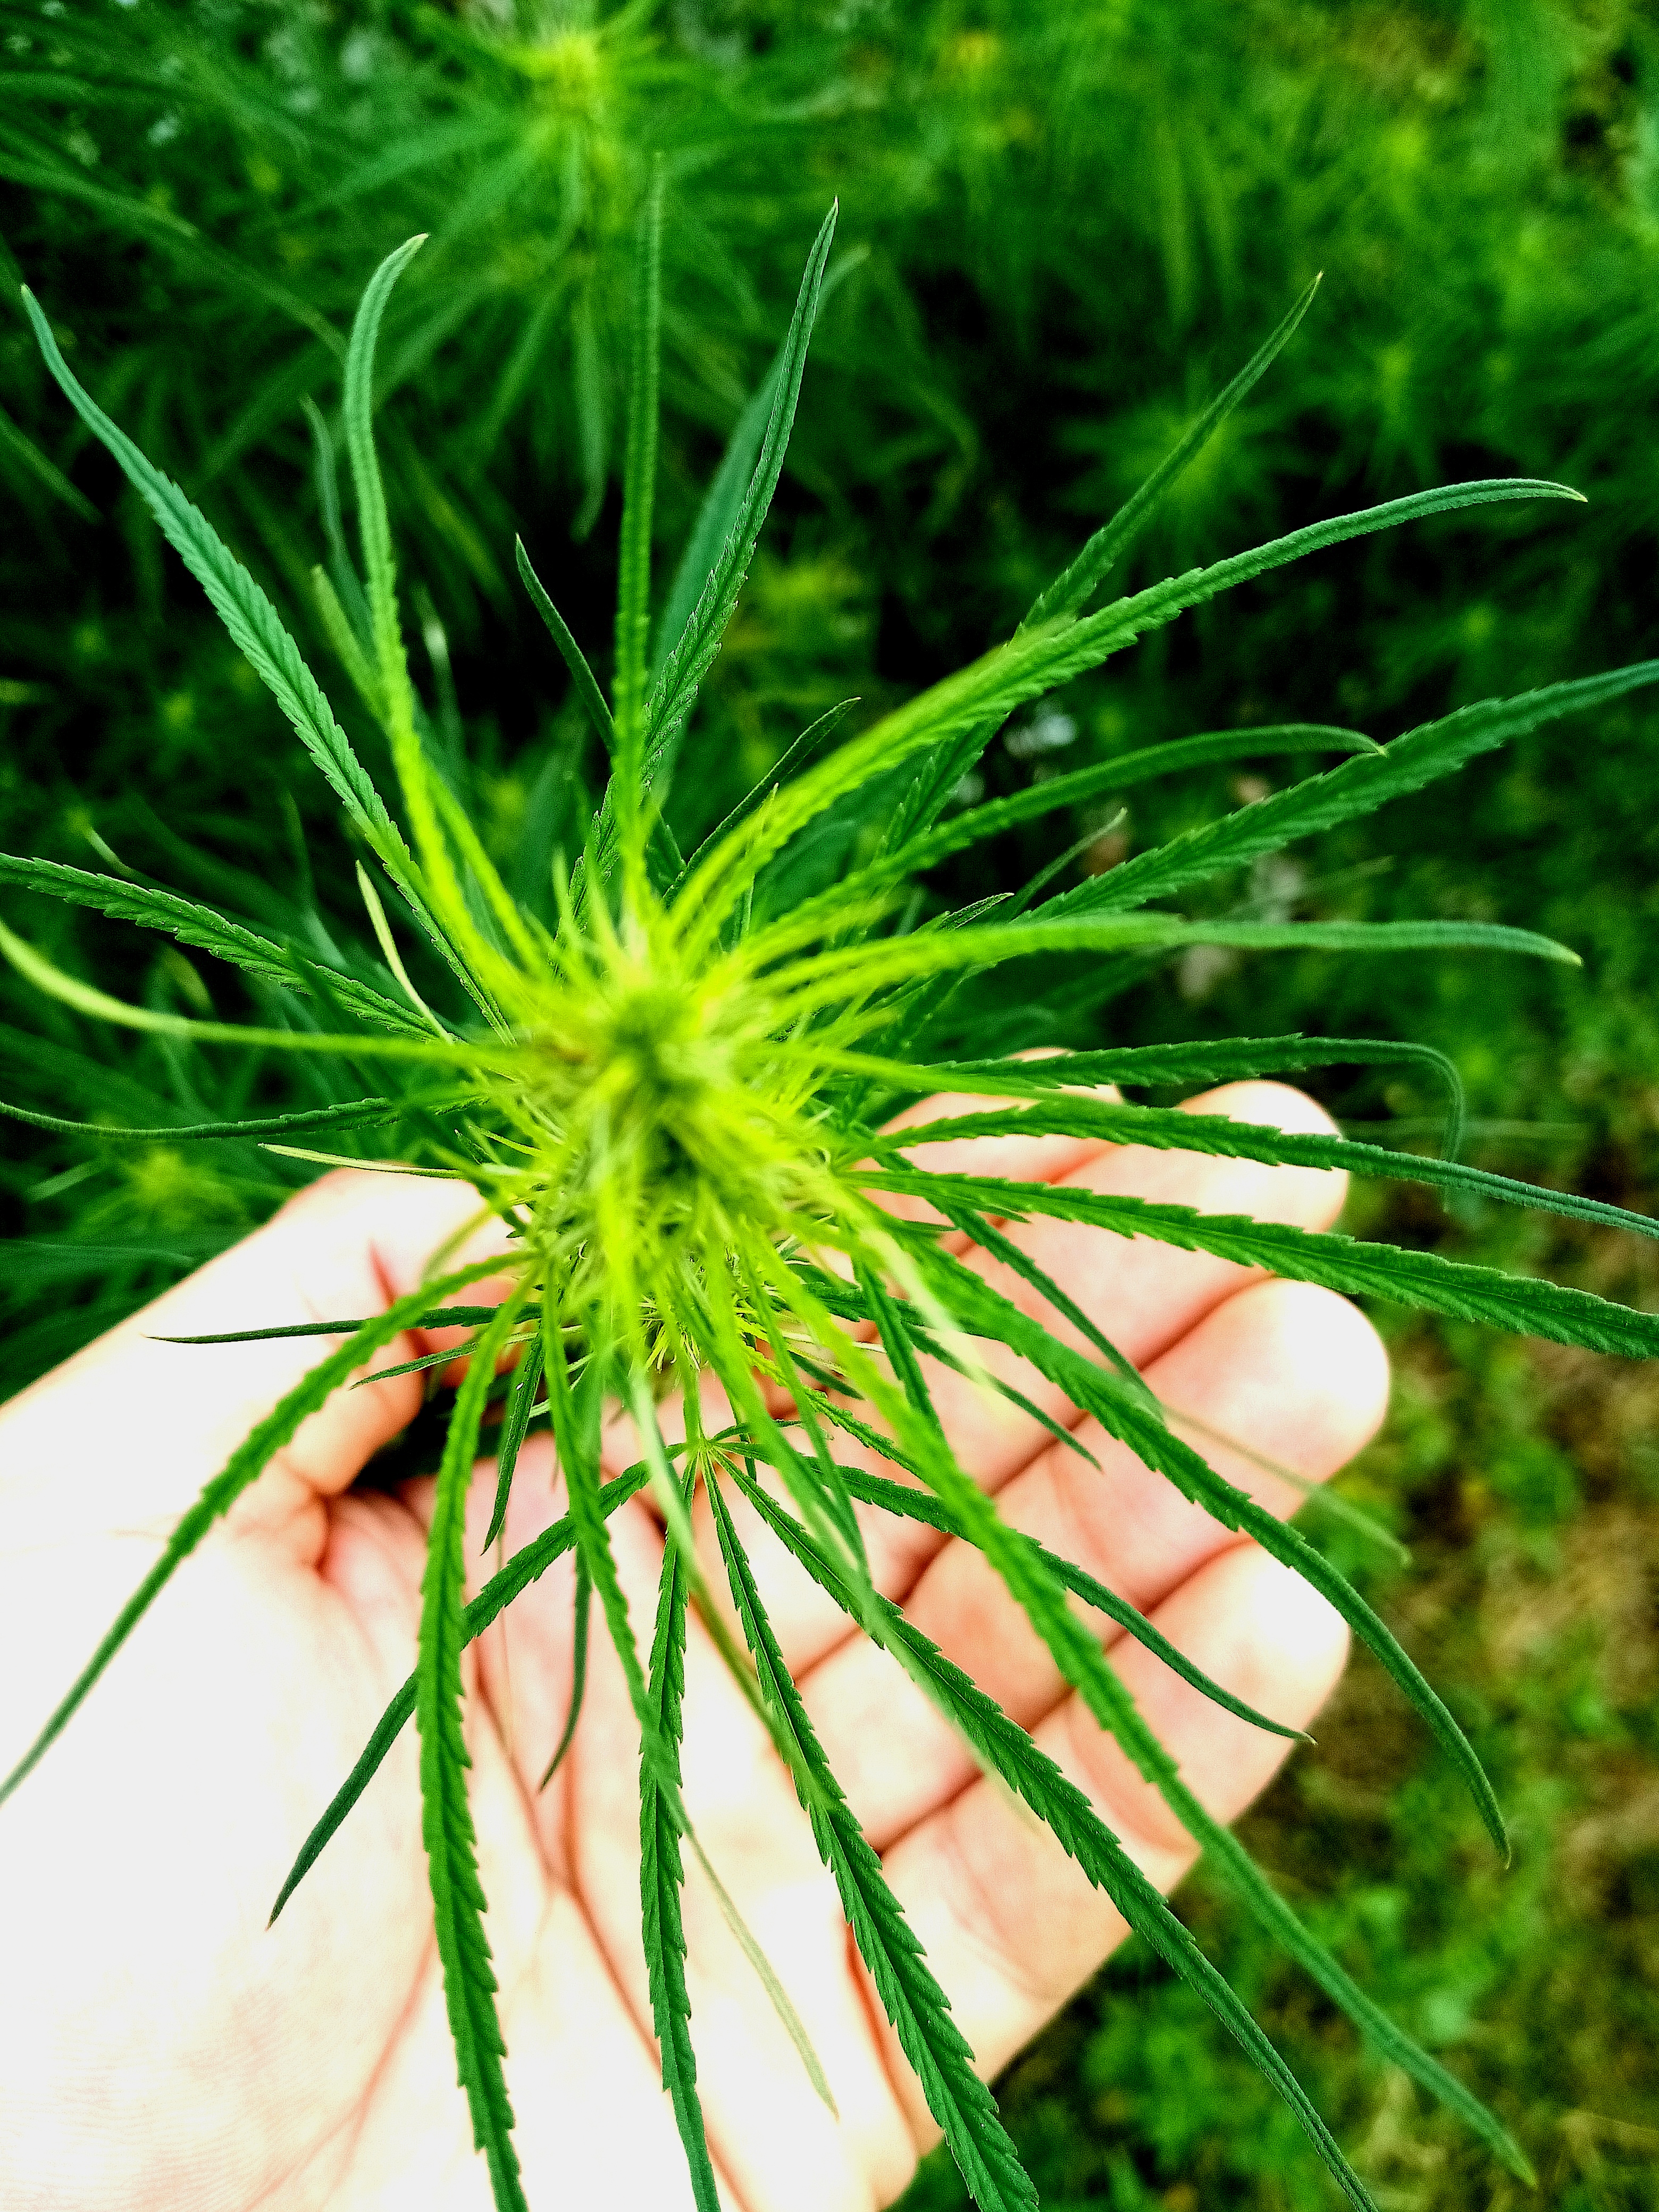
660, 1119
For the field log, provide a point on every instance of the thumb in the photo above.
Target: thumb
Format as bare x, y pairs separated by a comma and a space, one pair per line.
124, 1436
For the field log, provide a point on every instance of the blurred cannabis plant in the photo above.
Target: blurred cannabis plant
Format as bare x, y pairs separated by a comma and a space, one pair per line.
675, 1094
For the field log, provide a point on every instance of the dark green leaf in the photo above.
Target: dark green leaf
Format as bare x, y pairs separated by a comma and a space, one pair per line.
458, 1900
915, 1505
521, 1399
583, 1621
1207, 1061
1169, 1130
1077, 583
276, 1125
1355, 788
1124, 1414
662, 1878
586, 683
917, 2008
525, 1567
1525, 1303
1008, 1751
689, 659
244, 609
638, 494
199, 926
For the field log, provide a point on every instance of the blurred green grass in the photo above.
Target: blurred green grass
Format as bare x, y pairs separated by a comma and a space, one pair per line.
1062, 228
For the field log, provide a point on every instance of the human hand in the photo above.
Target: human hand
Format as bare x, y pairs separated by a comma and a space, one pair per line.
160, 2048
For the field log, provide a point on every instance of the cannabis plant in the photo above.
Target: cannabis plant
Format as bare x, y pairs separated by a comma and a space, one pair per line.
676, 1100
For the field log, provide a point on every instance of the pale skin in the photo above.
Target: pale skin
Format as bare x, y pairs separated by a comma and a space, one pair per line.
159, 2048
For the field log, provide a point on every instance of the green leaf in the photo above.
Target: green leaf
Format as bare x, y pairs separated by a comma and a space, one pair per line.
1120, 774
662, 1878
24, 450
1263, 1900
346, 584
1005, 1749
358, 409
717, 517
1033, 1577
575, 1420
456, 938
276, 1125
435, 1317
1114, 1709
915, 2005
458, 1900
1077, 583
86, 999
1131, 617
1530, 1305
1207, 1061
733, 1364
639, 496
246, 613
389, 952
246, 1464
913, 1505
1124, 1414
723, 504
789, 1285
581, 1627
258, 632
1355, 788
1316, 1962
839, 972
1167, 1129
525, 1567
586, 683
1031, 1574
347, 644
1032, 663
521, 1400
1066, 648
966, 1216
692, 654
795, 756
199, 926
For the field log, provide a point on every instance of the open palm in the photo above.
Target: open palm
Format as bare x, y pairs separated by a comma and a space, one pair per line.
160, 2048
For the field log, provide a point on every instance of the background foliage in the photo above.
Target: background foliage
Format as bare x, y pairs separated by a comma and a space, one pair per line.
1061, 228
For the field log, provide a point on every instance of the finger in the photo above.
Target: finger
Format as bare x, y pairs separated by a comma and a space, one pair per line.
1009, 1924
1143, 1296
168, 1416
1291, 1371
